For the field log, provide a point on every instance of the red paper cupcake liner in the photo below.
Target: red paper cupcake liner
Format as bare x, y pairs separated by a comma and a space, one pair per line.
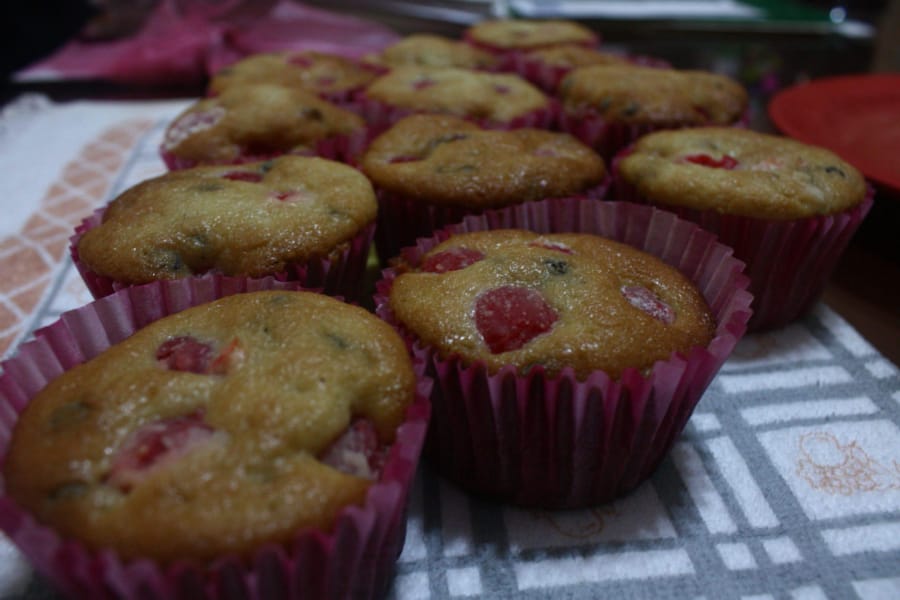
788, 262
380, 116
341, 148
535, 440
342, 276
354, 559
607, 138
402, 219
548, 77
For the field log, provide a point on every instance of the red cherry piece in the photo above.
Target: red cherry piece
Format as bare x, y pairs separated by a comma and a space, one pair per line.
185, 353
356, 452
325, 80
548, 245
156, 444
501, 89
645, 300
251, 176
421, 84
404, 158
509, 317
451, 260
726, 162
298, 60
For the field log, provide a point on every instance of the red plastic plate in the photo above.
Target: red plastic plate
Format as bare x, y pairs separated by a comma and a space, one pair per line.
856, 116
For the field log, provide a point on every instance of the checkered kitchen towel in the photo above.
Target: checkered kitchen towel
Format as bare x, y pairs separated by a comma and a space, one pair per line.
786, 483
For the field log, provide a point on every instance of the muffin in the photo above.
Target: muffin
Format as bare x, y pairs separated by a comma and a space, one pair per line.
515, 297
503, 36
334, 78
546, 67
569, 351
787, 208
255, 122
609, 106
433, 51
302, 218
431, 170
496, 100
224, 448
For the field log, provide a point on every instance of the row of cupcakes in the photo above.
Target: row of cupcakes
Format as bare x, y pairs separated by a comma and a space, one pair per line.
511, 420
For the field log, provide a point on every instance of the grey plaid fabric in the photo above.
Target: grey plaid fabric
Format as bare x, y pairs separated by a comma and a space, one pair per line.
785, 484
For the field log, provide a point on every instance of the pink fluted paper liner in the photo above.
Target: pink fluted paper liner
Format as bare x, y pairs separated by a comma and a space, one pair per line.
341, 148
402, 219
788, 262
342, 275
539, 441
380, 116
353, 560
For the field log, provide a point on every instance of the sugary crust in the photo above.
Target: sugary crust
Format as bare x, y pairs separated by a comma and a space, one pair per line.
634, 94
305, 365
309, 70
574, 56
255, 120
508, 34
219, 219
474, 94
434, 51
773, 177
597, 327
450, 161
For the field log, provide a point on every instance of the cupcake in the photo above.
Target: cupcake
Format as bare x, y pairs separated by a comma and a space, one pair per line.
569, 351
257, 122
505, 36
787, 208
259, 443
433, 51
301, 218
331, 77
431, 170
495, 100
546, 67
608, 106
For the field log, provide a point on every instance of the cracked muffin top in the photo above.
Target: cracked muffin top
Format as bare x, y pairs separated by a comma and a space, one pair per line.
645, 95
250, 220
741, 172
254, 122
215, 430
450, 161
316, 72
492, 97
520, 34
514, 297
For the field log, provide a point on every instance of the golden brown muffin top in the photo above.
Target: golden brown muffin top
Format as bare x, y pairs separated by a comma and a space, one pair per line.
741, 172
251, 220
633, 94
571, 55
514, 34
498, 97
435, 51
204, 433
308, 70
255, 120
450, 161
512, 297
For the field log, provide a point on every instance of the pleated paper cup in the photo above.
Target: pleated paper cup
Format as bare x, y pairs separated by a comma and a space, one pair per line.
560, 442
354, 559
